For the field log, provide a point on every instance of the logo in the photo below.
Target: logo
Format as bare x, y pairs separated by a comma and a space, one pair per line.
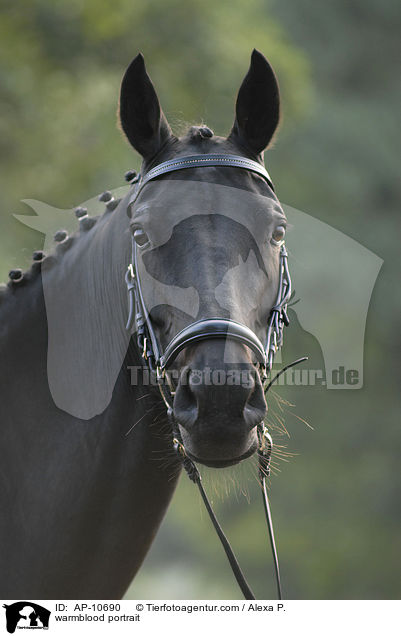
26, 615
333, 276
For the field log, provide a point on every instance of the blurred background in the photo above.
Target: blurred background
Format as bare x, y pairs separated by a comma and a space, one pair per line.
335, 490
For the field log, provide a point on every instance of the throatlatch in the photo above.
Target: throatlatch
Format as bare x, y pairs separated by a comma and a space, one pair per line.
212, 328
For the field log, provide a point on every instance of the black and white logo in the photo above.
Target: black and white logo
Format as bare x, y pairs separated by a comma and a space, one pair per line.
26, 615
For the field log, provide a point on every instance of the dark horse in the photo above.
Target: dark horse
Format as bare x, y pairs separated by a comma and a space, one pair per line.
81, 499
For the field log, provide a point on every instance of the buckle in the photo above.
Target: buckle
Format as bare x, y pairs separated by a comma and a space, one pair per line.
179, 447
144, 348
265, 449
266, 442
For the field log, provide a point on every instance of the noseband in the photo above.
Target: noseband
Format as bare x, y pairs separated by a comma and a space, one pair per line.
159, 361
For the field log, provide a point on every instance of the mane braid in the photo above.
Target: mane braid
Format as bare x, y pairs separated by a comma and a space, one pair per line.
199, 133
18, 279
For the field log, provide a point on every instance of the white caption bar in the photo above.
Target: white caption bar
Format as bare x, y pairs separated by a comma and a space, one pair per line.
144, 617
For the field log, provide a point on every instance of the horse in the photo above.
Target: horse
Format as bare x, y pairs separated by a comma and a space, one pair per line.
88, 464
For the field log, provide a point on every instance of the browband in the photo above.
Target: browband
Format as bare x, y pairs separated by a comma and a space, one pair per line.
200, 161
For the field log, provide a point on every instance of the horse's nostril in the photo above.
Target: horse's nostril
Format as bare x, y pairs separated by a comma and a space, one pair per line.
185, 402
219, 398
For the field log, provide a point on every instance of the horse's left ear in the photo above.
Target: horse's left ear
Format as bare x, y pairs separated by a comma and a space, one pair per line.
257, 107
141, 116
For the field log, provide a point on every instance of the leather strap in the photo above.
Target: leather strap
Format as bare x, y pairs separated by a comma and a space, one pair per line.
208, 329
201, 161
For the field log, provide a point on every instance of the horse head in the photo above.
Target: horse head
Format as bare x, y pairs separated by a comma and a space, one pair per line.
210, 238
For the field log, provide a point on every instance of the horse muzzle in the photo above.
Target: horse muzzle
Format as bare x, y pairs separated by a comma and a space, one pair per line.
218, 406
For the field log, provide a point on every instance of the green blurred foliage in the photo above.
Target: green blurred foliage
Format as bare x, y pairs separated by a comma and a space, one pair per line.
336, 501
61, 64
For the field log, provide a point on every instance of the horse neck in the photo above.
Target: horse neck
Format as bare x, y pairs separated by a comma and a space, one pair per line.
97, 257
71, 319
102, 482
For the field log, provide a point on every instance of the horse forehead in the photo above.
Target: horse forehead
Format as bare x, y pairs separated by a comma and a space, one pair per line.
209, 252
166, 204
214, 236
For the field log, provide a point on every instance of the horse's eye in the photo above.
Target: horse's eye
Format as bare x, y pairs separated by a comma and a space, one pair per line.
279, 234
140, 237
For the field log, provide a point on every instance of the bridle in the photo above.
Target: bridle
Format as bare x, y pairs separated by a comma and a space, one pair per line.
159, 361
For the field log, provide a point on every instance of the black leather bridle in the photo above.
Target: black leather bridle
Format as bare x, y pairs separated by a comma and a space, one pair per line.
160, 361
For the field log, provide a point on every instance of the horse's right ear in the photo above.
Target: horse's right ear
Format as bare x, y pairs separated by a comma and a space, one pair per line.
141, 117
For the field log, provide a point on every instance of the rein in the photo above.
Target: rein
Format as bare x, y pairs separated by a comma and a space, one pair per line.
212, 328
